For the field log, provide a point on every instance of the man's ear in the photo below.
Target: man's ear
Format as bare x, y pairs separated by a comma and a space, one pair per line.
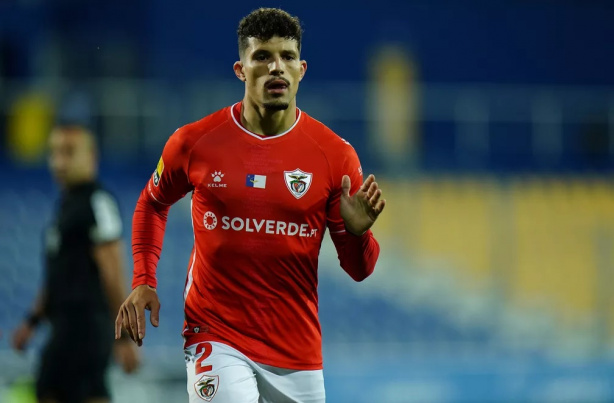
238, 68
303, 69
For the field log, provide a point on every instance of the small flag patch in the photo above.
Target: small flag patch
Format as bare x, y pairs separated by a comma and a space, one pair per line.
256, 181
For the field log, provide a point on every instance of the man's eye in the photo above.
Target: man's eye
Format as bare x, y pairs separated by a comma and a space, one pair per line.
261, 57
288, 57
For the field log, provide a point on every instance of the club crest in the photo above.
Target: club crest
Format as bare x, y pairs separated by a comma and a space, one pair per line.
298, 182
207, 386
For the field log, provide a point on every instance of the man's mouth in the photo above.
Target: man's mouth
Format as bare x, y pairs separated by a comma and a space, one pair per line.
277, 86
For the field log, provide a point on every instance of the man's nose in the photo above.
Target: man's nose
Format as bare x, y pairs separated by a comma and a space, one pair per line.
276, 67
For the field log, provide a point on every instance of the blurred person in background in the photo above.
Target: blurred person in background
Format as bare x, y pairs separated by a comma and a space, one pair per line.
267, 180
84, 279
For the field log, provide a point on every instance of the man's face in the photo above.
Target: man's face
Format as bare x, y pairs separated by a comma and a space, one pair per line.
271, 71
71, 156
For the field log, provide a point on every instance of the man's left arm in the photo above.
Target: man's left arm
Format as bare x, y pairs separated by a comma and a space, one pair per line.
353, 208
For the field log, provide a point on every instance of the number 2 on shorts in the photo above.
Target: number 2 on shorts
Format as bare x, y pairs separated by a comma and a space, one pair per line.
205, 349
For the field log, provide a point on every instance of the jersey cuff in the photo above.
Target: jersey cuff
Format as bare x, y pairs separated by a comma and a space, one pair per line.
362, 236
144, 280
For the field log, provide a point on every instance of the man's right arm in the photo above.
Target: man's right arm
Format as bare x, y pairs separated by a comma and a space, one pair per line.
25, 331
168, 184
38, 310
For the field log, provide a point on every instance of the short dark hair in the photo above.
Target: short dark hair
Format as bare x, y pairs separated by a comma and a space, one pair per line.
265, 23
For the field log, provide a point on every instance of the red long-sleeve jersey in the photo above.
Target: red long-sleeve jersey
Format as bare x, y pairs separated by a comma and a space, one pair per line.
260, 207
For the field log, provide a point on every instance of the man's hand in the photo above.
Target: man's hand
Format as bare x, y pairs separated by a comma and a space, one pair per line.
360, 210
131, 314
22, 336
126, 355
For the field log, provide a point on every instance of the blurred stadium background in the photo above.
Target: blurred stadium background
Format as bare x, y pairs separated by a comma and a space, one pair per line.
489, 124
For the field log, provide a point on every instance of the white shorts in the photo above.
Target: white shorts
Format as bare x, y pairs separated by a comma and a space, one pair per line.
220, 374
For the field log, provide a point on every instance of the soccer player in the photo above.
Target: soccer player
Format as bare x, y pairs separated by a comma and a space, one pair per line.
84, 279
267, 180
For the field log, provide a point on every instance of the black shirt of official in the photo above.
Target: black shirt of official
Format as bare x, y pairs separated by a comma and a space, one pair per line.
87, 215
77, 354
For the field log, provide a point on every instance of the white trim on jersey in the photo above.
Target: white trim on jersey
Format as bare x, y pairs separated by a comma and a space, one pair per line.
337, 232
263, 138
154, 197
190, 277
108, 225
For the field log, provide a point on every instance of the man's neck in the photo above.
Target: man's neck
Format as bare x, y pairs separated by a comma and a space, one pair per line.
77, 183
259, 120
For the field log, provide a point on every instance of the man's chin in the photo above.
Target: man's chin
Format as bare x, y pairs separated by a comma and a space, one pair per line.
276, 106
61, 181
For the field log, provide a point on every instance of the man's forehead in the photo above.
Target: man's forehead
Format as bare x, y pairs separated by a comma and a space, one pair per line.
70, 136
274, 43
65, 134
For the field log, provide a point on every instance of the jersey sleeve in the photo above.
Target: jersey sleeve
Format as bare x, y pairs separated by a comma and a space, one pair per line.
347, 164
357, 254
169, 181
168, 184
107, 225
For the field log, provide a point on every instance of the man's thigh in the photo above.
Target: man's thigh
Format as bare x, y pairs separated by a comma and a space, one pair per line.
279, 385
219, 374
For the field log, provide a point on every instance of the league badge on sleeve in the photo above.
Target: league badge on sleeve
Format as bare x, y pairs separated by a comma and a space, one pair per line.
298, 182
158, 172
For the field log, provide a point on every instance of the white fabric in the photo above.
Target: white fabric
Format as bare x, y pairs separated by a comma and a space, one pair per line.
108, 225
234, 378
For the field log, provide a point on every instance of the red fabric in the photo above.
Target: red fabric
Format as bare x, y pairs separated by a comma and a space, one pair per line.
148, 224
357, 254
252, 274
